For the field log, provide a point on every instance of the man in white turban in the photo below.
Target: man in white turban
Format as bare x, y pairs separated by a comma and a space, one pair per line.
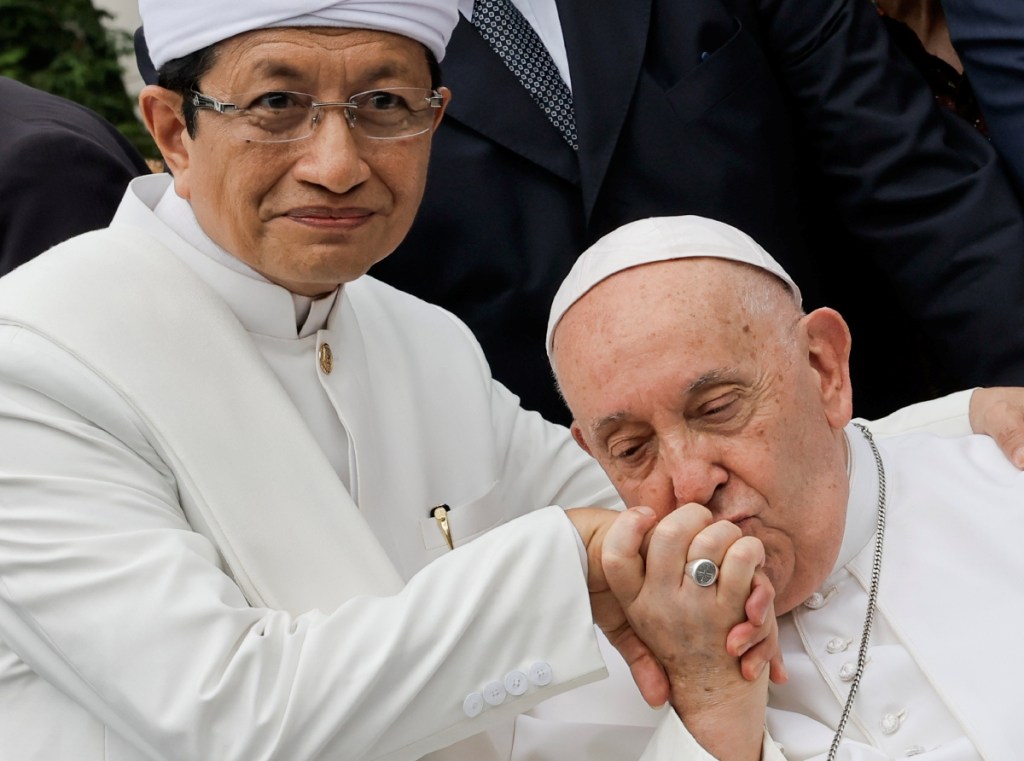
240, 477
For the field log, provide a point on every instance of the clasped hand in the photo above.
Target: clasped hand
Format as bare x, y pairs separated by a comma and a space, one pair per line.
682, 642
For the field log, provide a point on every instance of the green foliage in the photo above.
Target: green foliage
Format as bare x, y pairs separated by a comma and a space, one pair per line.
63, 47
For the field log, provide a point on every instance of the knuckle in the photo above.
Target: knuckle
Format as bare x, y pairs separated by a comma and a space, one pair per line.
702, 545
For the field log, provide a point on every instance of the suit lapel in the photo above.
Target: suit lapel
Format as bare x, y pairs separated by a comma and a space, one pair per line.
489, 99
365, 416
604, 63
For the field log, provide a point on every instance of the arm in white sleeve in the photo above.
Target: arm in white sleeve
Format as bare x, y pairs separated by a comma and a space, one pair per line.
108, 594
673, 742
946, 416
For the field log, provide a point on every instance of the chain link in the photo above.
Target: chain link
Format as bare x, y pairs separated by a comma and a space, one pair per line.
876, 574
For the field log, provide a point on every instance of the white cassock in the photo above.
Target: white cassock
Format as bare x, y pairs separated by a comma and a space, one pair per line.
943, 680
201, 559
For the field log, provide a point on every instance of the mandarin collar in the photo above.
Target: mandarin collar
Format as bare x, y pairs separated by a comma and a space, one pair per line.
263, 307
862, 504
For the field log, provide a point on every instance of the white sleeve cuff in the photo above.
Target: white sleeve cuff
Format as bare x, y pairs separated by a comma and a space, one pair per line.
672, 741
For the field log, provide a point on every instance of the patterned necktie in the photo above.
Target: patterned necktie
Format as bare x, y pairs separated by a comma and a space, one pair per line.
510, 36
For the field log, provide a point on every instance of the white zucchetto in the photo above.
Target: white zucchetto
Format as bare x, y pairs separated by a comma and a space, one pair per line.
658, 239
175, 28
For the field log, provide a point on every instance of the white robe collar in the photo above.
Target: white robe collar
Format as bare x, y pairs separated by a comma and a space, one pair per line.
263, 307
862, 504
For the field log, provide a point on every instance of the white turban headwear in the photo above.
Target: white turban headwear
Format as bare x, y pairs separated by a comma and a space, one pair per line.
658, 239
175, 28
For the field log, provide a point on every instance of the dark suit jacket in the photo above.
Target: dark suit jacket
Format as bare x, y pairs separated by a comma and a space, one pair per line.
63, 170
795, 121
989, 36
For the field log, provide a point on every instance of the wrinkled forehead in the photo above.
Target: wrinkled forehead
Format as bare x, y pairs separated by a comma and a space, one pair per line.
682, 294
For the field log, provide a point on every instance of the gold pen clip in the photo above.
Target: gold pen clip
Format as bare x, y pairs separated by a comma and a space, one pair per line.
440, 514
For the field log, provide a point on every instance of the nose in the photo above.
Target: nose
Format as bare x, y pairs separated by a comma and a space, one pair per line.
693, 470
331, 156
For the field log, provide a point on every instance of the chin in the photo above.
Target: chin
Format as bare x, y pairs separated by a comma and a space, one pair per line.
788, 592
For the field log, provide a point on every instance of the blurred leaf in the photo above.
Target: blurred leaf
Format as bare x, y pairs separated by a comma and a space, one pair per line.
64, 47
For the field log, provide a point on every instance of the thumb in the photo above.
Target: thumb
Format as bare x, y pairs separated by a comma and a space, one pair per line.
620, 554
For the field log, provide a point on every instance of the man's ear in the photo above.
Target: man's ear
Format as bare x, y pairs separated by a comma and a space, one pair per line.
446, 99
828, 350
577, 435
161, 112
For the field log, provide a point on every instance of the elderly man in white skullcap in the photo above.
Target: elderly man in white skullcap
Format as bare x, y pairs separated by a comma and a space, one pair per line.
708, 396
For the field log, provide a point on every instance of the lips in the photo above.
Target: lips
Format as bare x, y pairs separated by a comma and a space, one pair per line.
745, 522
328, 213
329, 218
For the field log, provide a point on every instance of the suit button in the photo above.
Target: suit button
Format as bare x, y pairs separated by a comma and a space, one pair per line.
473, 704
540, 673
326, 357
494, 693
516, 682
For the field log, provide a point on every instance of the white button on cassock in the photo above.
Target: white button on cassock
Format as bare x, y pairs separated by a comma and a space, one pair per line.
891, 722
818, 600
837, 645
815, 601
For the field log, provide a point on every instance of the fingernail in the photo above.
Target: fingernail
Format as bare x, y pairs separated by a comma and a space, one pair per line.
1018, 457
649, 512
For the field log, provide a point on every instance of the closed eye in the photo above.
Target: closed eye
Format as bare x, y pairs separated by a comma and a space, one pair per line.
719, 408
628, 453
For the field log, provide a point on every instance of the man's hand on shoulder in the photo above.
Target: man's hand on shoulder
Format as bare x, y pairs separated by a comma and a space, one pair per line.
999, 412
